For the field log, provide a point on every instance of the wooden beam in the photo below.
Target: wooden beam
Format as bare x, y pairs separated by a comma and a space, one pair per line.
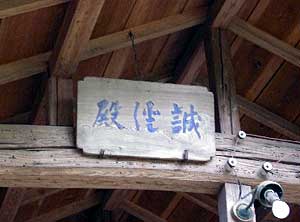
226, 11
35, 194
38, 161
141, 213
11, 203
70, 209
15, 7
228, 197
221, 78
60, 105
37, 64
265, 41
203, 201
117, 197
171, 206
74, 36
269, 119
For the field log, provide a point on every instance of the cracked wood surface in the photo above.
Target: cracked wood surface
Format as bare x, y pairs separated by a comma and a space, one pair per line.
69, 168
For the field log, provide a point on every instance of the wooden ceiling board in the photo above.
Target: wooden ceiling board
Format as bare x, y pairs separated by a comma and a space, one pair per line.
176, 44
113, 18
60, 199
245, 12
27, 211
251, 126
189, 212
30, 33
122, 63
155, 201
17, 97
171, 52
23, 36
276, 19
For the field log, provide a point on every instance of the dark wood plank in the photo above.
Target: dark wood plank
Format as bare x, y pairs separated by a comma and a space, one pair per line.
187, 69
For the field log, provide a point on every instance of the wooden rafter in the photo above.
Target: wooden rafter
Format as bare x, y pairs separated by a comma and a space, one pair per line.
171, 206
65, 167
140, 212
225, 10
15, 7
269, 119
67, 210
11, 203
37, 64
265, 40
203, 201
74, 36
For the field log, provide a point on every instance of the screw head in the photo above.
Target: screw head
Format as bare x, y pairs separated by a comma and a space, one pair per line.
242, 134
267, 166
232, 162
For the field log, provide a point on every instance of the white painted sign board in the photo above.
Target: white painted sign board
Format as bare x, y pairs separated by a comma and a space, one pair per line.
145, 120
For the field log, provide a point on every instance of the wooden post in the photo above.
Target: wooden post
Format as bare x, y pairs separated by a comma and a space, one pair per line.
228, 197
221, 78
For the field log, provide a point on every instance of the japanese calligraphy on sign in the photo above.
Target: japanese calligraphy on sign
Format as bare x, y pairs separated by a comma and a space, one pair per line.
146, 120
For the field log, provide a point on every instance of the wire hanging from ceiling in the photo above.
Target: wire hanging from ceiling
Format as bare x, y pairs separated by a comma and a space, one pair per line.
138, 73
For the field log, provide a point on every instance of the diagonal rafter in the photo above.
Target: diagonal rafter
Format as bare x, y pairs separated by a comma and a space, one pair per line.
38, 64
224, 11
74, 36
265, 40
16, 7
140, 212
269, 119
11, 204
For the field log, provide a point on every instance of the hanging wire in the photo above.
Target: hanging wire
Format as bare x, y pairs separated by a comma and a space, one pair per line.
135, 57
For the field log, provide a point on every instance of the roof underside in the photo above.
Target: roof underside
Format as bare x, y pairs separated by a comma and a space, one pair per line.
260, 76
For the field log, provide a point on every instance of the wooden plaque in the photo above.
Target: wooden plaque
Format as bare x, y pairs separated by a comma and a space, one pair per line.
145, 120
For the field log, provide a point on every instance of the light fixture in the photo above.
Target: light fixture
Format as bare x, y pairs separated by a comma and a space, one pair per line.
269, 194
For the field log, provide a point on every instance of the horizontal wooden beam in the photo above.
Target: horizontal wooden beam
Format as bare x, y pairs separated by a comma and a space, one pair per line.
38, 64
269, 119
59, 167
15, 7
265, 41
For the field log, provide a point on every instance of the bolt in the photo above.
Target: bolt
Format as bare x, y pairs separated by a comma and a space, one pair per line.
230, 164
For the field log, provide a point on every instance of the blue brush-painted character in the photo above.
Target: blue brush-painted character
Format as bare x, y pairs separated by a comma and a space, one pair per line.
150, 113
104, 110
189, 122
